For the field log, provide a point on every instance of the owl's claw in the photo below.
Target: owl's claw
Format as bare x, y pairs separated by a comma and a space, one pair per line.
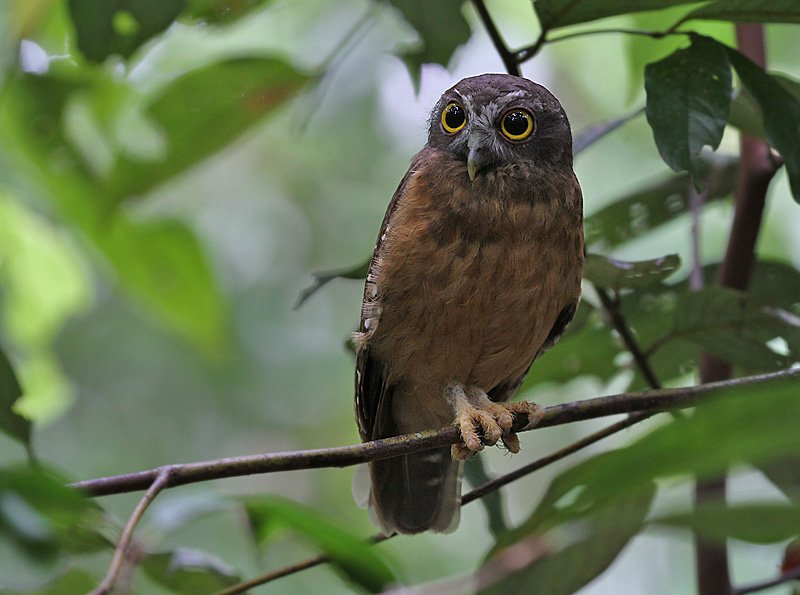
477, 414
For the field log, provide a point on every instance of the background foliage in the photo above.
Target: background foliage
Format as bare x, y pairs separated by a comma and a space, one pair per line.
171, 175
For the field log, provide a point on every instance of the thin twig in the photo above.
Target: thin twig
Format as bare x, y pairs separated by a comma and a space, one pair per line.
477, 493
509, 58
159, 483
791, 575
611, 304
648, 400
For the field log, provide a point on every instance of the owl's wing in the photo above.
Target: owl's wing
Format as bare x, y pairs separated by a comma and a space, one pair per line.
373, 395
505, 391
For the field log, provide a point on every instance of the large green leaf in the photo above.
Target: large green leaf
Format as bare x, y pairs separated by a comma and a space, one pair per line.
348, 552
11, 423
201, 112
688, 100
755, 523
638, 213
559, 13
781, 113
617, 274
603, 535
752, 424
724, 322
72, 582
222, 11
189, 572
106, 27
441, 27
44, 517
749, 11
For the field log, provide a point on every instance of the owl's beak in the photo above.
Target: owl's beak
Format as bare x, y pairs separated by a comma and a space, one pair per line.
475, 161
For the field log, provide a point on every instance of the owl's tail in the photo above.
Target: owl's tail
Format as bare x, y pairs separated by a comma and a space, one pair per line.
417, 492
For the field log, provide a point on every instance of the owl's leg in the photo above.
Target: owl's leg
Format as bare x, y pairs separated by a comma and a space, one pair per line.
475, 412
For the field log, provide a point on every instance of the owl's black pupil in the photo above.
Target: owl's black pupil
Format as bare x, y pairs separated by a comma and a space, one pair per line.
454, 116
516, 123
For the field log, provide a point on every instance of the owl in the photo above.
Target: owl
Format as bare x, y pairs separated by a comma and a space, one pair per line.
475, 274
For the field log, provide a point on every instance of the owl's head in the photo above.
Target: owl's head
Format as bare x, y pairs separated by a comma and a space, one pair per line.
496, 119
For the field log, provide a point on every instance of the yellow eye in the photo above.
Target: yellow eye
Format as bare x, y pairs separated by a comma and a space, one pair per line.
453, 118
517, 125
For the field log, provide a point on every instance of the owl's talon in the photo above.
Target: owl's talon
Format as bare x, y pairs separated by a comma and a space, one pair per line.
477, 414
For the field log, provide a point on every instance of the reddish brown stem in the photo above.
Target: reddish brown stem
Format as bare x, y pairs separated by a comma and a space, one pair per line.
755, 173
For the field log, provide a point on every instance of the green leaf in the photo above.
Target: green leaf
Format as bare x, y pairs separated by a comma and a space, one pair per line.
349, 553
189, 572
754, 523
588, 348
44, 517
688, 100
617, 274
201, 112
73, 582
603, 535
222, 11
644, 210
736, 424
781, 111
106, 27
723, 322
560, 13
11, 423
322, 278
748, 11
475, 473
441, 27
160, 262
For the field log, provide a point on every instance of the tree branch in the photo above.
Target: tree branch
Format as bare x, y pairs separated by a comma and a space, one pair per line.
476, 494
508, 57
755, 587
643, 401
159, 483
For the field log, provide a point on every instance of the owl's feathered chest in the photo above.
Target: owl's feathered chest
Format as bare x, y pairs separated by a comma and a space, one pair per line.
472, 267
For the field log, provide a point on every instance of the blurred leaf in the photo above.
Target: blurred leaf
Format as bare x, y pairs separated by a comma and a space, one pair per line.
73, 582
222, 11
603, 535
785, 474
618, 274
201, 112
441, 27
749, 11
688, 100
646, 209
106, 27
358, 272
174, 510
590, 135
754, 523
560, 13
189, 572
43, 516
723, 321
589, 349
159, 261
12, 424
737, 424
781, 113
475, 473
349, 553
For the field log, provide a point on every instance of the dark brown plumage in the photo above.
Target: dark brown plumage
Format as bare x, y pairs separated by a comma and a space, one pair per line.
476, 273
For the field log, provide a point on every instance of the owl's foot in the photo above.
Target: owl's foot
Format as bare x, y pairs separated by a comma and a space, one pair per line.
476, 414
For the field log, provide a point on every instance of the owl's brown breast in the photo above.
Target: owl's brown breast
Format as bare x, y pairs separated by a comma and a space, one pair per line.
471, 276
